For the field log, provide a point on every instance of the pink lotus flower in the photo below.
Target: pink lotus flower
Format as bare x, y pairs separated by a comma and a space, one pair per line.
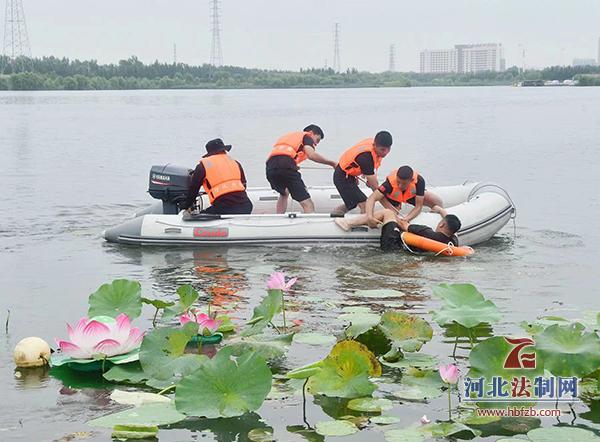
208, 326
277, 282
424, 420
449, 373
101, 335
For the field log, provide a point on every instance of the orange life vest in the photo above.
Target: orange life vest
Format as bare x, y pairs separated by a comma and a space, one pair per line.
223, 176
399, 195
348, 159
290, 145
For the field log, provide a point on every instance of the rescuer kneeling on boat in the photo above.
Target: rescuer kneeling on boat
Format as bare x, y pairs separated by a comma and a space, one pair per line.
364, 159
445, 232
282, 166
223, 180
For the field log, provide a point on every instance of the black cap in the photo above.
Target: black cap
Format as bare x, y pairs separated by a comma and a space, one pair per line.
217, 145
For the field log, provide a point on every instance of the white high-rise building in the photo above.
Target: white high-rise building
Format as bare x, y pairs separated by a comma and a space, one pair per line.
471, 58
598, 60
440, 61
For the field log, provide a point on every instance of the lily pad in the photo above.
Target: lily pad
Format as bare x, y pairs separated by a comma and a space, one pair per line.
162, 355
158, 303
126, 374
465, 305
267, 346
410, 434
370, 405
312, 338
405, 331
137, 397
264, 313
379, 293
128, 432
562, 434
120, 296
148, 415
356, 309
417, 360
567, 350
384, 420
306, 371
419, 385
57, 359
261, 435
359, 322
445, 429
225, 386
345, 372
335, 428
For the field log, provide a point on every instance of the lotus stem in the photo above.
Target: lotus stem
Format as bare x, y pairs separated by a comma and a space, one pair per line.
455, 343
164, 390
283, 311
449, 403
154, 317
7, 321
471, 338
275, 327
304, 404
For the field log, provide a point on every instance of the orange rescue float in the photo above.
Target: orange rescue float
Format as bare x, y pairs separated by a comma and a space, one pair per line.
430, 245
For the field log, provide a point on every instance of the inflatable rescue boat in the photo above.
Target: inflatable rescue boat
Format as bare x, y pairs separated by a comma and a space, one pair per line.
483, 209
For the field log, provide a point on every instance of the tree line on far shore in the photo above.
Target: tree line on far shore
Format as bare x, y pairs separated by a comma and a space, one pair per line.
52, 73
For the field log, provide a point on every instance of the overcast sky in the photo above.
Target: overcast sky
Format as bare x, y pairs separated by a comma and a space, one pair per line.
290, 34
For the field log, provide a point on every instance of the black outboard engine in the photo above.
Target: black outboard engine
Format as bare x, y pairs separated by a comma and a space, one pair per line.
170, 184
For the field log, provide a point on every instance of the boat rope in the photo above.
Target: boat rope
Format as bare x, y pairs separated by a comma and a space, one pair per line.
448, 248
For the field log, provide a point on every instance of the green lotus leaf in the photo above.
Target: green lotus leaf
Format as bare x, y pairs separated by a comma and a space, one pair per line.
345, 372
417, 360
410, 434
335, 428
567, 350
384, 420
57, 359
405, 331
474, 419
305, 371
125, 432
420, 385
162, 355
261, 435
312, 338
379, 293
267, 346
465, 305
147, 415
126, 374
487, 360
541, 323
370, 405
562, 434
359, 322
264, 313
225, 386
187, 296
120, 296
137, 397
356, 309
227, 325
158, 303
446, 429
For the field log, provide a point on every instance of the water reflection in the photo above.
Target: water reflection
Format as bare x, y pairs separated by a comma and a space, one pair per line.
224, 429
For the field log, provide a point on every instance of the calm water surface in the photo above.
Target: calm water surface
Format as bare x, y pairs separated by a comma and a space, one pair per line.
75, 163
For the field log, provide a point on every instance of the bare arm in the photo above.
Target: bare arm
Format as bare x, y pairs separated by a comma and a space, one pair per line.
313, 155
416, 210
372, 182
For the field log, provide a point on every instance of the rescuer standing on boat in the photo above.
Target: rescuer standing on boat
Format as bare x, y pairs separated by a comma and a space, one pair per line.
282, 166
223, 180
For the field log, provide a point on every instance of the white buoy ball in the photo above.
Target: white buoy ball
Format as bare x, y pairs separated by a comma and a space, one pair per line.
31, 352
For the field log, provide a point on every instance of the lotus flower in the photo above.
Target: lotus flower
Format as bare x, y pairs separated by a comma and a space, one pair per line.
208, 326
277, 282
449, 373
424, 420
101, 335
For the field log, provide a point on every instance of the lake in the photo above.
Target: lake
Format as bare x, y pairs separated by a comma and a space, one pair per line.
75, 163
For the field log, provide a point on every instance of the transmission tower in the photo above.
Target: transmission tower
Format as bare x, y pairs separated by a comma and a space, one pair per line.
336, 48
216, 54
16, 40
392, 65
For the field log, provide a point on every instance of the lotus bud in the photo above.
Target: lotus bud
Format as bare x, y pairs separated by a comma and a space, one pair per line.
31, 352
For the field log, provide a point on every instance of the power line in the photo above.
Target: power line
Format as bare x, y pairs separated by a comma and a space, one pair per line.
336, 48
392, 65
16, 39
216, 53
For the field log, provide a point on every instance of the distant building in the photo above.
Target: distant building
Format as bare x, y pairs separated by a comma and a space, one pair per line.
584, 62
598, 51
471, 58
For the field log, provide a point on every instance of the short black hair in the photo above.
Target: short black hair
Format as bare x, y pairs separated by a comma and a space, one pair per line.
315, 130
383, 139
453, 223
405, 173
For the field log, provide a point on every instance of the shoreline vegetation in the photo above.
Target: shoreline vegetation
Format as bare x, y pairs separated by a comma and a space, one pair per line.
52, 73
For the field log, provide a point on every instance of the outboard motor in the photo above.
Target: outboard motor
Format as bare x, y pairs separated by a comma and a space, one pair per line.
170, 184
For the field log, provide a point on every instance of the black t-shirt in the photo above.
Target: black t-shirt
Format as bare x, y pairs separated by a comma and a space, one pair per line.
287, 162
366, 164
229, 199
386, 188
428, 232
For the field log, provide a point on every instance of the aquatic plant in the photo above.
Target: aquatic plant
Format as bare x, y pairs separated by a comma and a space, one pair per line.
121, 296
101, 337
449, 374
264, 313
277, 282
207, 325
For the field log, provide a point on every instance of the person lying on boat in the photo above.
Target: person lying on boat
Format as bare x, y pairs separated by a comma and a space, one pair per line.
364, 159
223, 180
393, 226
282, 166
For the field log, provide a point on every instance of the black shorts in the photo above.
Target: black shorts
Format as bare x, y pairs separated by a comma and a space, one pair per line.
410, 201
244, 208
390, 237
348, 188
281, 179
